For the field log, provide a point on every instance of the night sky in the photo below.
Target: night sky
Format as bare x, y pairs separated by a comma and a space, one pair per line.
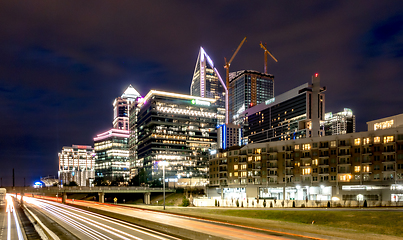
63, 63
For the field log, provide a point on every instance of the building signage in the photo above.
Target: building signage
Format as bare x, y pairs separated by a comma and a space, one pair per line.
383, 125
200, 102
271, 100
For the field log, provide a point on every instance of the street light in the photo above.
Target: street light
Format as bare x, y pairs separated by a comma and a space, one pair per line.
163, 164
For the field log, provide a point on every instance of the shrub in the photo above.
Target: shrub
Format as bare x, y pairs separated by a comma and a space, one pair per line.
185, 202
242, 204
365, 203
215, 203
328, 204
264, 203
218, 203
237, 203
302, 205
271, 204
293, 203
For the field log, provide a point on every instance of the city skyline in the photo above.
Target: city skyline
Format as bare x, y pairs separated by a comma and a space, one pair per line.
61, 67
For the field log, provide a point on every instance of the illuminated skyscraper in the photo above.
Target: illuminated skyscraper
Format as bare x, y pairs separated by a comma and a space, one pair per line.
207, 81
76, 164
247, 89
179, 129
112, 147
121, 108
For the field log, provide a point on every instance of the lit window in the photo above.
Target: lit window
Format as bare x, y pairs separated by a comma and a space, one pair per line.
235, 167
257, 158
387, 139
243, 174
357, 168
258, 151
377, 139
357, 141
250, 158
296, 147
306, 171
333, 144
366, 141
306, 146
365, 168
224, 154
235, 174
230, 174
315, 162
297, 164
345, 178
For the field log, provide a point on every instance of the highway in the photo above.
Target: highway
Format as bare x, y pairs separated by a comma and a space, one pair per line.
87, 225
217, 229
10, 227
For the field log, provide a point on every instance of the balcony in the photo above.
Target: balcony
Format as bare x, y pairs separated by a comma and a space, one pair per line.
223, 162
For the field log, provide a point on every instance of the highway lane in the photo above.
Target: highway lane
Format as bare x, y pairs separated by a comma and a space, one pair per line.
10, 227
87, 225
215, 228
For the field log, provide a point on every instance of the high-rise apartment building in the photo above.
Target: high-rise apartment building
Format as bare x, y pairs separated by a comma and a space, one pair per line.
121, 108
355, 166
77, 164
247, 89
339, 123
179, 129
291, 115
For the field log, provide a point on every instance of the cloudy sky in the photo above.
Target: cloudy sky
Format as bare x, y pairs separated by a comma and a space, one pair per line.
63, 63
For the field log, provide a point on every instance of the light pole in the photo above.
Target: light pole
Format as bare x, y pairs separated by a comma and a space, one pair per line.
163, 163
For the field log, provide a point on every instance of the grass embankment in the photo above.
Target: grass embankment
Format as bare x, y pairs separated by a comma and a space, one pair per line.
355, 222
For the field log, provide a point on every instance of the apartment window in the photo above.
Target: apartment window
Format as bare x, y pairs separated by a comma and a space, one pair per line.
400, 137
333, 144
333, 160
306, 146
235, 174
332, 152
263, 149
376, 167
315, 145
357, 159
249, 158
333, 178
399, 166
258, 151
346, 177
357, 150
315, 179
315, 162
357, 141
387, 139
357, 177
235, 167
257, 158
296, 147
306, 171
377, 139
365, 169
332, 169
366, 141
230, 174
315, 170
376, 176
357, 168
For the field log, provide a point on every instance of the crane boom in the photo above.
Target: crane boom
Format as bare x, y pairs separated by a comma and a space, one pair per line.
226, 66
265, 56
267, 51
236, 51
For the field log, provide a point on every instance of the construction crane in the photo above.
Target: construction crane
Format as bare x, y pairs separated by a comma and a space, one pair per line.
265, 56
226, 66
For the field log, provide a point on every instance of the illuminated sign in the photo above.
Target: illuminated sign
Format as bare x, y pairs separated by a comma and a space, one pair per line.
383, 125
271, 100
200, 102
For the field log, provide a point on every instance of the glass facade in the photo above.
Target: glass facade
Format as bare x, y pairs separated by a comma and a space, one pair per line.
248, 89
112, 150
179, 129
206, 82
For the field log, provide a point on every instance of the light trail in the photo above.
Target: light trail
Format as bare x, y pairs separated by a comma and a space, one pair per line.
72, 216
10, 209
